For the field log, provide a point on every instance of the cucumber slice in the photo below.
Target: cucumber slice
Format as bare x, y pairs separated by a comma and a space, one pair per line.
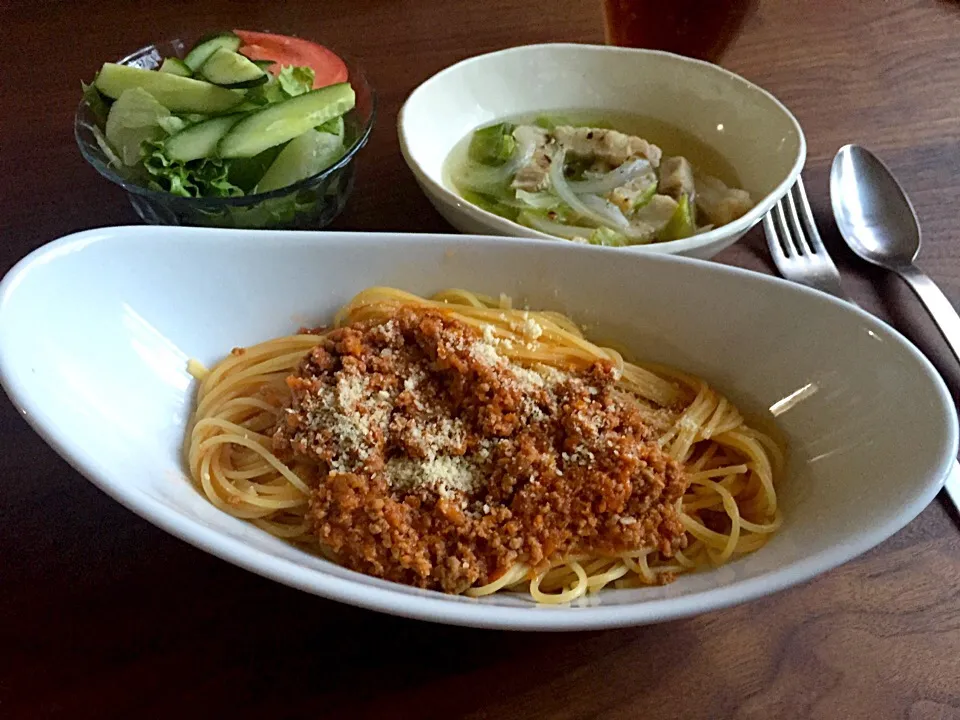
175, 66
177, 94
208, 46
285, 120
200, 140
229, 69
264, 64
305, 155
245, 107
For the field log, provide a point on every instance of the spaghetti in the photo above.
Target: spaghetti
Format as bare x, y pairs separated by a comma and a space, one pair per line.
727, 506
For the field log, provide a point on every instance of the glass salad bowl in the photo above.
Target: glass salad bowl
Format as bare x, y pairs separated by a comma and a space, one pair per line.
309, 203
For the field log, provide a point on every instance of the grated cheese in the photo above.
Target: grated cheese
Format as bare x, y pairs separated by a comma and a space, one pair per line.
446, 474
350, 416
531, 329
486, 353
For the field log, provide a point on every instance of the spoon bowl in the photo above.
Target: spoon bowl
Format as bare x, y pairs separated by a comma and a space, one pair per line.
879, 224
873, 212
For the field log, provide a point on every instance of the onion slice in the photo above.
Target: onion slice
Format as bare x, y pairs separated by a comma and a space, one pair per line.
562, 188
610, 181
606, 215
604, 208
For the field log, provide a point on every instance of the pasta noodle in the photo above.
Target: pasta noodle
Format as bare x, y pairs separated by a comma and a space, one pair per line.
729, 509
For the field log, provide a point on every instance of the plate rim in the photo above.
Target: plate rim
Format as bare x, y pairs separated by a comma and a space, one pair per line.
441, 608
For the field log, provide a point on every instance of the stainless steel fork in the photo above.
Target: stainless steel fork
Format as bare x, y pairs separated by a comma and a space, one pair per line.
796, 247
800, 256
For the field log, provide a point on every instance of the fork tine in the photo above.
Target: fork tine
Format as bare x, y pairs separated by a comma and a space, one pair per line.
783, 230
773, 240
795, 244
800, 237
806, 214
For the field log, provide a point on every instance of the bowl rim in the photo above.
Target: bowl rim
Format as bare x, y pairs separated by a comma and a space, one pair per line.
511, 229
110, 174
431, 606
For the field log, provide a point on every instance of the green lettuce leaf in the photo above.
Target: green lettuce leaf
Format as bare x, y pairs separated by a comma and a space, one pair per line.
197, 178
492, 145
134, 118
245, 173
296, 80
268, 92
607, 237
295, 209
334, 127
490, 204
539, 200
682, 224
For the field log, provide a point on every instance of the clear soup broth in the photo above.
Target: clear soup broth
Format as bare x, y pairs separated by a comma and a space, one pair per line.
671, 139
565, 174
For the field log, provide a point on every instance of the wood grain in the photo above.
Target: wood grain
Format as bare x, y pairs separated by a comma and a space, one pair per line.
102, 615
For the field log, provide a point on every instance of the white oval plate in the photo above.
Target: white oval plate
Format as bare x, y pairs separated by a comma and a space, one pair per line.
96, 330
743, 122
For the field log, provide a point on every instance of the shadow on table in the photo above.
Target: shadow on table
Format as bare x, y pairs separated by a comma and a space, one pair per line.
123, 619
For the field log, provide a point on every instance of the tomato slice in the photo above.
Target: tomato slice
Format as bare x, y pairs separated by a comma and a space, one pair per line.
286, 50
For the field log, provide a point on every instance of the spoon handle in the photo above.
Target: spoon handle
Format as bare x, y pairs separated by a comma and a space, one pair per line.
946, 318
939, 307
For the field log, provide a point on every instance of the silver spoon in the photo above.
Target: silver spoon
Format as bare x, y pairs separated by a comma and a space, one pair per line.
878, 223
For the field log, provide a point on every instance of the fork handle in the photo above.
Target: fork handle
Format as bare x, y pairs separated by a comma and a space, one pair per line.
939, 307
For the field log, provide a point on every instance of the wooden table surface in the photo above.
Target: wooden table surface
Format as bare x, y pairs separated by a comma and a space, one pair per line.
103, 615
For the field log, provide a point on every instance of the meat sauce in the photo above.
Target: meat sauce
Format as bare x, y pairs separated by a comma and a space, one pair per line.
440, 463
